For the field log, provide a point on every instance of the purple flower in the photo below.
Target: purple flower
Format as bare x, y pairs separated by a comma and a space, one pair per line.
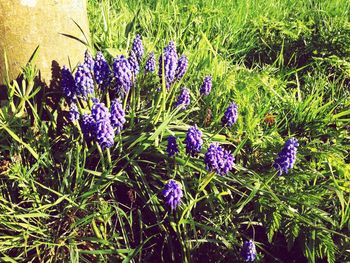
193, 141
117, 116
218, 160
172, 193
104, 133
230, 116
182, 66
184, 98
286, 158
248, 251
134, 64
150, 63
73, 114
172, 147
123, 75
68, 84
103, 127
95, 100
99, 111
102, 71
206, 86
88, 127
89, 61
137, 47
169, 59
83, 81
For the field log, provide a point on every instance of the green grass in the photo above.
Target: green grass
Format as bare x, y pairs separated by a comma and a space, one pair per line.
63, 200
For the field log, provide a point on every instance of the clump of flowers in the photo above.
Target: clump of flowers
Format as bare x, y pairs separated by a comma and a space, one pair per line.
248, 251
172, 193
206, 86
117, 116
182, 66
184, 98
102, 71
84, 81
137, 47
172, 147
123, 75
150, 63
286, 158
230, 115
169, 61
218, 160
68, 84
193, 141
102, 124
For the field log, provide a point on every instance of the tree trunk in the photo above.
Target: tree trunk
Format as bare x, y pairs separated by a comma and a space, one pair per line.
26, 24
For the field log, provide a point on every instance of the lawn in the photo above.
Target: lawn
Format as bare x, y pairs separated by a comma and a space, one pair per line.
192, 131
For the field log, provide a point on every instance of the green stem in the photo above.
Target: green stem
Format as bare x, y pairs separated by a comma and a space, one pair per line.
109, 158
108, 100
133, 106
125, 100
163, 96
101, 156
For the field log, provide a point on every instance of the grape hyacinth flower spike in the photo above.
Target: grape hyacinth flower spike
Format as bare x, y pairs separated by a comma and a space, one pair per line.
286, 158
172, 193
89, 61
184, 98
83, 81
134, 64
102, 72
172, 147
88, 127
169, 59
117, 116
248, 251
150, 63
68, 84
73, 112
182, 66
99, 111
230, 115
104, 130
206, 86
104, 134
193, 141
123, 75
137, 48
218, 160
